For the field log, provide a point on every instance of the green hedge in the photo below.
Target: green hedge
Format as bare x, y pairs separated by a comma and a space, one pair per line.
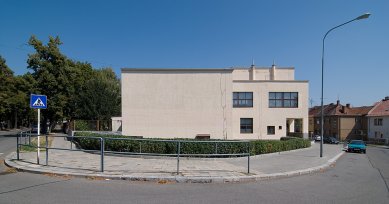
187, 147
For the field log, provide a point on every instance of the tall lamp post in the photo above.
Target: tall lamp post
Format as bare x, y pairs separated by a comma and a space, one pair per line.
364, 16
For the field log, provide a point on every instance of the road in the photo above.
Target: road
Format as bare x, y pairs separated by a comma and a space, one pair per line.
7, 145
356, 178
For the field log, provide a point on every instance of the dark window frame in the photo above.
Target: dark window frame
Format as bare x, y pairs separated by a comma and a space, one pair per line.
246, 125
242, 99
283, 100
271, 130
378, 121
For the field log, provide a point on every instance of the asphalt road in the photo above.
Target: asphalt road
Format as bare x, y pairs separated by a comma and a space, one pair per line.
7, 145
356, 178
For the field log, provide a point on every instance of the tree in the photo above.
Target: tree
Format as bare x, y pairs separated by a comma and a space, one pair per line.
6, 87
14, 96
100, 98
51, 70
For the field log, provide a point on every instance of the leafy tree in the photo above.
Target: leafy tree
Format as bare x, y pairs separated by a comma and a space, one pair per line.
51, 72
14, 95
74, 89
6, 87
100, 98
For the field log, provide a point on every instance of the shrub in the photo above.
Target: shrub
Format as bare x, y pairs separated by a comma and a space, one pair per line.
187, 146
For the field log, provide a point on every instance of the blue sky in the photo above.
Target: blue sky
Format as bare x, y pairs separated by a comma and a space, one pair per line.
214, 34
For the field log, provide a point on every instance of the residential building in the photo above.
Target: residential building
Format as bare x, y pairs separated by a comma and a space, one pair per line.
378, 118
340, 121
232, 103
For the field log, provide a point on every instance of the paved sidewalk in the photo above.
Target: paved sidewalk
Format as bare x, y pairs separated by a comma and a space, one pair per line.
199, 170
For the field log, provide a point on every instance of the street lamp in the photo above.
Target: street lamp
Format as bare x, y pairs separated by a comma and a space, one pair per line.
364, 16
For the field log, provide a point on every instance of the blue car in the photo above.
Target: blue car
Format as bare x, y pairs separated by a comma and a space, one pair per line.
356, 146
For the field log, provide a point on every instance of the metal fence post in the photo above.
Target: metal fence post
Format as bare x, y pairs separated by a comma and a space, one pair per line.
47, 150
215, 147
248, 157
17, 146
140, 147
178, 157
29, 138
102, 153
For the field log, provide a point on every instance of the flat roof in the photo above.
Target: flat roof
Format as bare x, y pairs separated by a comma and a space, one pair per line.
127, 70
271, 81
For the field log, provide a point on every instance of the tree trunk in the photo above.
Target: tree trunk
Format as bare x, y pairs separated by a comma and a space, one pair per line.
16, 119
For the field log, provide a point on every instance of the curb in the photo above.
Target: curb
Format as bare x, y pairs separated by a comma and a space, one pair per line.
176, 178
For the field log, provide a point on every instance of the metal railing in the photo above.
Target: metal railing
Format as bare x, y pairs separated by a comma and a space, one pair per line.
178, 144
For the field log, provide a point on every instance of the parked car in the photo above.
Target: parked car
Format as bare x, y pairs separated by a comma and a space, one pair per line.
356, 146
34, 128
317, 138
330, 140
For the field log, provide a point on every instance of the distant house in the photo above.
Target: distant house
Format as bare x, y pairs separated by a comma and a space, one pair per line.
340, 121
378, 120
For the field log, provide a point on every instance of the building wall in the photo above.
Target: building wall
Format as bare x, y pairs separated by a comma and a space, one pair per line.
264, 116
176, 104
384, 129
182, 103
264, 74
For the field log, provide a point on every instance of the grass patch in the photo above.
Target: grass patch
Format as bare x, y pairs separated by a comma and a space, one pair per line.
34, 142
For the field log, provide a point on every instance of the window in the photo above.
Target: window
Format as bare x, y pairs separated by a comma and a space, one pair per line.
378, 121
283, 99
271, 130
246, 125
242, 99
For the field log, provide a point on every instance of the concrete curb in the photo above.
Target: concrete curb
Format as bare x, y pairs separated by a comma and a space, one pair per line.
172, 178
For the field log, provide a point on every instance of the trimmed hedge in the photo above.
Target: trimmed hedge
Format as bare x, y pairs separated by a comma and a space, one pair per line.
187, 146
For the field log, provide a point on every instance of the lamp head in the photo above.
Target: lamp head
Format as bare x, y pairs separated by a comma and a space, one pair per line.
366, 15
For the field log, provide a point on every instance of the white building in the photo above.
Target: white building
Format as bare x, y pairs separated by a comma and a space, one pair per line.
234, 103
378, 120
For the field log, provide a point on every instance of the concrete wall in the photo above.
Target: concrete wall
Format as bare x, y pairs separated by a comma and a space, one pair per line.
182, 103
177, 103
264, 74
264, 116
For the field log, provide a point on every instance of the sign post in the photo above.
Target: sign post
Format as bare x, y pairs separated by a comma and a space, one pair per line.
38, 102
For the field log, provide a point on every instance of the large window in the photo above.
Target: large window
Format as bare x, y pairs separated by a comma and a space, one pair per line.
243, 99
283, 99
246, 125
378, 121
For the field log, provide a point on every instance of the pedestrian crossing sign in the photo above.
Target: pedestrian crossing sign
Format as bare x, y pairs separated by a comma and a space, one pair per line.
38, 101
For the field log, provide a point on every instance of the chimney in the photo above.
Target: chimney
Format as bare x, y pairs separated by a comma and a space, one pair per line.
386, 98
252, 72
273, 72
348, 105
337, 102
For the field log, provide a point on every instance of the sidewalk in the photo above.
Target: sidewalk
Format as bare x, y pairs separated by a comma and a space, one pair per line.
199, 170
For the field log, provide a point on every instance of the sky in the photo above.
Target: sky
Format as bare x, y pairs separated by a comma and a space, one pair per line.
214, 34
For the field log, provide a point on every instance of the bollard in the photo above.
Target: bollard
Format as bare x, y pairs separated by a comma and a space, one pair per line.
102, 153
178, 157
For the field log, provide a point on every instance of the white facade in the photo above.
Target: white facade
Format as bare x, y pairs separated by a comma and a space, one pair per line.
378, 130
185, 103
378, 121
